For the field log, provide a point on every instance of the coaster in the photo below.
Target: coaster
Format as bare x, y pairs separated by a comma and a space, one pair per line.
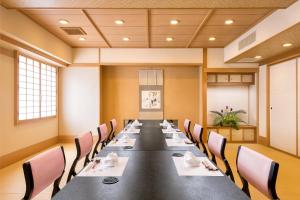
110, 180
177, 155
128, 147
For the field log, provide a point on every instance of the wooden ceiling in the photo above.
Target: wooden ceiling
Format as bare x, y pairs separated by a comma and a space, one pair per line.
151, 26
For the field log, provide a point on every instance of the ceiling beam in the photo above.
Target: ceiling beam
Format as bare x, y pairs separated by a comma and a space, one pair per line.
96, 27
200, 27
148, 21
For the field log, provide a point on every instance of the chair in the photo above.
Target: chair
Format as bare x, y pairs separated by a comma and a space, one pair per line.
216, 146
84, 145
113, 128
43, 170
257, 169
102, 136
197, 136
186, 126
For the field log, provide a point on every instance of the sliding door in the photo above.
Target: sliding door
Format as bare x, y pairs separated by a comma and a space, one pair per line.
283, 109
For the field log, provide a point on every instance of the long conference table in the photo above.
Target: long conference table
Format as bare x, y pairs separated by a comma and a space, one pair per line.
151, 174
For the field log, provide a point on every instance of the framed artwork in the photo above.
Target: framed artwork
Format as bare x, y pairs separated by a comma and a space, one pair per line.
151, 98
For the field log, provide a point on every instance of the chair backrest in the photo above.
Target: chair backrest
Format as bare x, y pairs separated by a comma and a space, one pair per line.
216, 144
84, 144
43, 170
103, 132
197, 132
186, 125
259, 170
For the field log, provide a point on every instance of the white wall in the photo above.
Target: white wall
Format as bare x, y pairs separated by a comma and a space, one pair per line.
78, 100
15, 137
215, 59
153, 55
262, 101
236, 97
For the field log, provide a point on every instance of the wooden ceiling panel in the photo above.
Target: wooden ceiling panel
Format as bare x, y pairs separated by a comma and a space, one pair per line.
177, 38
133, 38
184, 20
109, 20
147, 4
239, 20
123, 30
183, 30
129, 44
252, 11
165, 44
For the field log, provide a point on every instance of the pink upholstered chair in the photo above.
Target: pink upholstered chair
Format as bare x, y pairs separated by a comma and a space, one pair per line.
197, 136
102, 137
84, 145
186, 126
216, 146
257, 169
43, 170
113, 128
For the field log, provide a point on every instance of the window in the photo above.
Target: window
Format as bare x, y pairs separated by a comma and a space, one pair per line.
36, 89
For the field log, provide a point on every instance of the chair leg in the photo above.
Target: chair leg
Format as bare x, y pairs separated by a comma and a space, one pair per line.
95, 151
213, 159
72, 170
228, 170
86, 160
245, 186
204, 148
56, 188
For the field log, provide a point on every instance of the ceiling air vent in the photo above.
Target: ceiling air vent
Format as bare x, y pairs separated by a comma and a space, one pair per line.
247, 40
73, 30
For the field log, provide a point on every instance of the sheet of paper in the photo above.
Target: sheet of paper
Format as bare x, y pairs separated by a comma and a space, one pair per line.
121, 143
183, 170
101, 170
174, 143
172, 131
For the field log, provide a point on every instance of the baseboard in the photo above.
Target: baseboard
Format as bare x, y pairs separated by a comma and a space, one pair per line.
27, 151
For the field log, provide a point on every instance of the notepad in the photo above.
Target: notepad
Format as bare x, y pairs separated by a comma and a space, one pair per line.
183, 170
101, 170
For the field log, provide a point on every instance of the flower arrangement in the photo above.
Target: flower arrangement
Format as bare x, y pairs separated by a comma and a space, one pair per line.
228, 117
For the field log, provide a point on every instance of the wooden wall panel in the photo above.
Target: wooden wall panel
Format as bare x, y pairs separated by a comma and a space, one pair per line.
120, 93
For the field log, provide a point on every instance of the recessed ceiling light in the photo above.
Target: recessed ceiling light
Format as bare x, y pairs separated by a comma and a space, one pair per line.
258, 57
82, 38
229, 21
169, 39
174, 22
63, 21
126, 39
287, 44
211, 38
119, 22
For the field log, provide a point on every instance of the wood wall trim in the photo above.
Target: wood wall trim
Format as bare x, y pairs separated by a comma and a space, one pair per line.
231, 70
268, 105
84, 65
31, 49
148, 26
204, 94
96, 27
7, 52
200, 27
151, 64
27, 151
